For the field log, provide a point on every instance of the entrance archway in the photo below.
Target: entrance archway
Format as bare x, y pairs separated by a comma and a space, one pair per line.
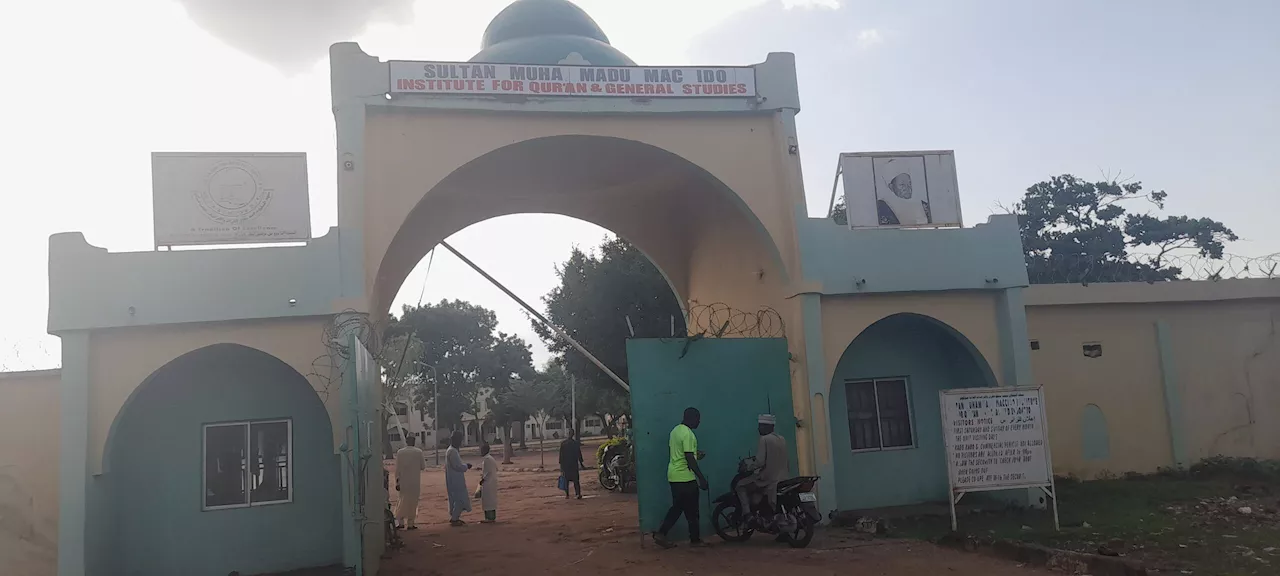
700, 234
886, 431
222, 459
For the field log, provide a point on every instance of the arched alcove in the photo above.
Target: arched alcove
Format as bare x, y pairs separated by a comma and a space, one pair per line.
886, 430
1095, 437
222, 459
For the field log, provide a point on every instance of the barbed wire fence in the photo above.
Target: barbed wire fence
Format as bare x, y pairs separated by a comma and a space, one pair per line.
719, 320
1151, 268
327, 370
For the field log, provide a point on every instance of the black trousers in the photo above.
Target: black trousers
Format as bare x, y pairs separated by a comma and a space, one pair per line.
684, 500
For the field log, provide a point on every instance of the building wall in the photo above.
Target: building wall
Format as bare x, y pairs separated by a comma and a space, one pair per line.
1211, 387
931, 357
29, 472
154, 484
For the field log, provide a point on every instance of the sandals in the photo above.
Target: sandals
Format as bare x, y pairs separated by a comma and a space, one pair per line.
662, 541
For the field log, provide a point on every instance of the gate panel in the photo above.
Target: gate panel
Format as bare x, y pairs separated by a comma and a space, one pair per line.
730, 381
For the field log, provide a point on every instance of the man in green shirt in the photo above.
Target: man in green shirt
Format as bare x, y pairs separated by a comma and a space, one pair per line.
686, 479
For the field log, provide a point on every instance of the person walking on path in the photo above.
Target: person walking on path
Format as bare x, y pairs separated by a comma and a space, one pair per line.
488, 486
455, 481
409, 466
570, 463
685, 478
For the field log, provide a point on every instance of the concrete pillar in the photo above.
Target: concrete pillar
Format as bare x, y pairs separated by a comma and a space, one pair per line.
1172, 395
73, 459
1015, 346
819, 411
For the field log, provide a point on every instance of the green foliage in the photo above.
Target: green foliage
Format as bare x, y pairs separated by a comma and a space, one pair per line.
605, 446
1079, 231
460, 340
598, 292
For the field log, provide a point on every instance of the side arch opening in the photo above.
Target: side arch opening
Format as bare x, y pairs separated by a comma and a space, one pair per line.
229, 443
886, 429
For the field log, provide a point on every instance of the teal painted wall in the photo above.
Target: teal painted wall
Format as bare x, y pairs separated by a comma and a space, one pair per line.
154, 483
985, 257
731, 381
933, 358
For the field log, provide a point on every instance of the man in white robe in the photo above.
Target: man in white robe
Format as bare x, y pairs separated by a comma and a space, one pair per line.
489, 486
409, 466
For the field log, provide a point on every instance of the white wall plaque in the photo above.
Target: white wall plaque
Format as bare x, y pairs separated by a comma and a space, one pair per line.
229, 198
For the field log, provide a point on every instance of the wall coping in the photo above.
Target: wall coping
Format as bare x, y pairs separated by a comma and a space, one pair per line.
24, 374
1154, 293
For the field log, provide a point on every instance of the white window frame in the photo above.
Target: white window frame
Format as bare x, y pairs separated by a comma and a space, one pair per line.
875, 390
248, 470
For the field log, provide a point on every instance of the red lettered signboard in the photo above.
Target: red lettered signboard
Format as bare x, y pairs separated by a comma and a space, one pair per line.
530, 80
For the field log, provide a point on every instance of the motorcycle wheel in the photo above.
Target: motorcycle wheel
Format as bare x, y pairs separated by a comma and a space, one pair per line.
606, 480
726, 519
803, 534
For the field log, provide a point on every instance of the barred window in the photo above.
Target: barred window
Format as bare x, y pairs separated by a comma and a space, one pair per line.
248, 464
879, 414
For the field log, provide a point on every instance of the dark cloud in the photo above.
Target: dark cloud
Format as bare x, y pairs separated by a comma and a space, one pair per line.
292, 34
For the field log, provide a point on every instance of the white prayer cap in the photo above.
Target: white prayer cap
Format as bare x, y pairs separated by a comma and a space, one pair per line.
766, 419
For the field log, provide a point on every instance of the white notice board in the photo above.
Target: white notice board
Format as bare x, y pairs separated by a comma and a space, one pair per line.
996, 439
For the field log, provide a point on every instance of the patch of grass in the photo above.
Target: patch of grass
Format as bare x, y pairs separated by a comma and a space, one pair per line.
1179, 520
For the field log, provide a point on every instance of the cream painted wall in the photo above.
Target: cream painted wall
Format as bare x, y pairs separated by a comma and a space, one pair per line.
1125, 383
1226, 368
121, 359
29, 472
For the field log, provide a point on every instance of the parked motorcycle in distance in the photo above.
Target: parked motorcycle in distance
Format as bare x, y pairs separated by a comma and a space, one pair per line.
797, 504
617, 467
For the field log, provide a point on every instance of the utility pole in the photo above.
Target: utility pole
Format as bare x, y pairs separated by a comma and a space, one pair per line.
573, 404
435, 404
435, 418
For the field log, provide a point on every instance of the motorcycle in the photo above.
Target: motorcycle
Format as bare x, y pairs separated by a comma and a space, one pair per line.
795, 519
617, 468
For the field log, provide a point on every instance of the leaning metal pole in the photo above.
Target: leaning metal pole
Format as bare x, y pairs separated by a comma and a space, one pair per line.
540, 317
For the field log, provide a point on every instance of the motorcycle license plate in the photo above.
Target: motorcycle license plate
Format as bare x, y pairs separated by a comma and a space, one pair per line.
808, 497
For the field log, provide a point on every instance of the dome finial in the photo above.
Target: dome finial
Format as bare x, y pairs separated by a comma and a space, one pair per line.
546, 32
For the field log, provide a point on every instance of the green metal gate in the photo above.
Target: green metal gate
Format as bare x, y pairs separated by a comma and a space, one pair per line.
730, 381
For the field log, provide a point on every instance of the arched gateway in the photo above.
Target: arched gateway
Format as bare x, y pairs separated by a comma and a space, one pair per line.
699, 167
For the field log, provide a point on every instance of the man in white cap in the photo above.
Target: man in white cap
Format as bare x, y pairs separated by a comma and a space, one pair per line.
771, 467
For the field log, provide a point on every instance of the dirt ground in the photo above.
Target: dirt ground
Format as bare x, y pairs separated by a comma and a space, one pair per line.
539, 532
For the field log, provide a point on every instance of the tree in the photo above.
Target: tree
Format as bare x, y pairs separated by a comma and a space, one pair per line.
597, 294
472, 360
400, 378
840, 212
1078, 231
536, 400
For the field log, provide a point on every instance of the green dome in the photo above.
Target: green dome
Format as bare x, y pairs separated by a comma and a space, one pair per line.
547, 32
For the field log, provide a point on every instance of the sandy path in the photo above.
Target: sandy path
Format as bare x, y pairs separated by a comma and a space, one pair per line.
539, 532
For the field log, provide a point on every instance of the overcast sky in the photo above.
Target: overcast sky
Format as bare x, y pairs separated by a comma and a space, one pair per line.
1182, 95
